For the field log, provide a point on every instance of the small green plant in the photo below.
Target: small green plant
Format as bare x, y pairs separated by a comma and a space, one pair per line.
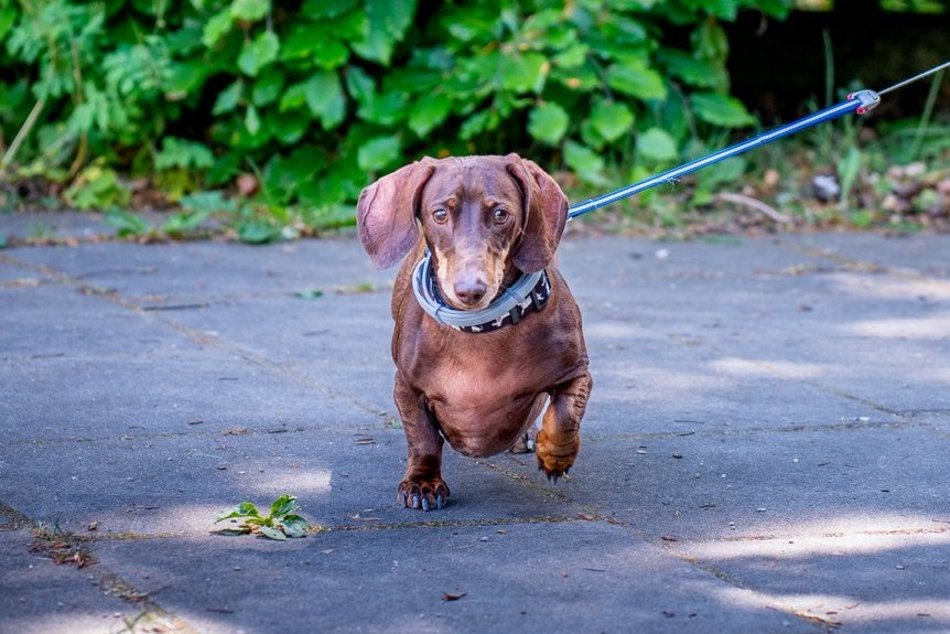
282, 522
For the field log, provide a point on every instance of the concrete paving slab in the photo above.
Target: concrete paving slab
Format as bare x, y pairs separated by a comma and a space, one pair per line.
206, 271
179, 483
161, 393
38, 596
767, 483
866, 581
148, 387
52, 321
50, 225
556, 577
928, 254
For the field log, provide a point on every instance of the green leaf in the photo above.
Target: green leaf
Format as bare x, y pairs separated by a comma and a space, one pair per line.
571, 57
258, 53
656, 146
288, 127
727, 171
249, 10
294, 526
385, 109
325, 98
97, 187
388, 21
634, 78
228, 98
326, 8
283, 505
258, 231
724, 9
332, 217
310, 293
378, 153
267, 88
478, 122
295, 97
184, 223
244, 509
360, 85
611, 120
207, 202
272, 533
183, 153
252, 121
721, 110
216, 28
8, 16
523, 73
429, 112
710, 41
548, 123
585, 162
331, 54
127, 224
693, 71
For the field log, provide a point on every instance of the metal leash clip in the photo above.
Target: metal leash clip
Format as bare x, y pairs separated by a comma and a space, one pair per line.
868, 98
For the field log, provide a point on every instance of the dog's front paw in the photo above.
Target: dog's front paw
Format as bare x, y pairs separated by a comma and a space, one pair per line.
555, 459
422, 493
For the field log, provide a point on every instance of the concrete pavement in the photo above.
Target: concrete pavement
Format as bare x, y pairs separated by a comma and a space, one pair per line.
766, 448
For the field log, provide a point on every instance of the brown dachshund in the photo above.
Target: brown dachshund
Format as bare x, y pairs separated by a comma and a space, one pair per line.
486, 223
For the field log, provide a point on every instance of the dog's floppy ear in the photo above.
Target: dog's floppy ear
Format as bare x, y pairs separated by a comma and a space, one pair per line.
386, 213
545, 214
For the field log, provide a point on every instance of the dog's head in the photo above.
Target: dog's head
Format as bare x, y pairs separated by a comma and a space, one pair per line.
479, 215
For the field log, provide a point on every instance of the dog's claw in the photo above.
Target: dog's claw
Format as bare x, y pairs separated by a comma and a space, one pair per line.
401, 498
425, 504
439, 501
415, 501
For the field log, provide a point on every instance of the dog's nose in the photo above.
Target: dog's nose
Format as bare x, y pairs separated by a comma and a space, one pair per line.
470, 291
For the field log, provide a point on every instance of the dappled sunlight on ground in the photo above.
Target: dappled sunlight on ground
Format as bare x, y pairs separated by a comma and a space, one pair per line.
309, 482
757, 367
73, 623
837, 537
833, 609
889, 287
932, 327
664, 384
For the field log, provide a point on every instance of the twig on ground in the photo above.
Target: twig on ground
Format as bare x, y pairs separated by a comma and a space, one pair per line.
752, 203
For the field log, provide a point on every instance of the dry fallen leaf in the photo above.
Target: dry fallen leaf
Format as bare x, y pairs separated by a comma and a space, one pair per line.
447, 596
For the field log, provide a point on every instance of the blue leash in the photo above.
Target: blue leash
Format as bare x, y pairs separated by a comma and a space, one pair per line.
858, 102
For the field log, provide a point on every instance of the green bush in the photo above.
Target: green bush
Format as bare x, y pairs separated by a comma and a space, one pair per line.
317, 98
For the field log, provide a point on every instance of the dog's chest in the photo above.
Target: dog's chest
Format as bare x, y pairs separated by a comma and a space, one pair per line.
474, 385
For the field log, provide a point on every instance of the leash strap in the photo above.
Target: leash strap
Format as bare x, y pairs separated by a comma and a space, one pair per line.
857, 102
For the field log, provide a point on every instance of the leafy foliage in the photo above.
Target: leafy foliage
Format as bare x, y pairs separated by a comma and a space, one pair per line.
282, 522
316, 99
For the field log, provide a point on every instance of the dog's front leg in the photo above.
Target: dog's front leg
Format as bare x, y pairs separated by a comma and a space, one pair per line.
422, 487
559, 439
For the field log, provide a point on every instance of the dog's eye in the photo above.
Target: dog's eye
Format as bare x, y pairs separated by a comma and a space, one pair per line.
440, 215
501, 215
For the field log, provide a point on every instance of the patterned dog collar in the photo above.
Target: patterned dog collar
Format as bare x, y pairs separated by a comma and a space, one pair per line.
530, 292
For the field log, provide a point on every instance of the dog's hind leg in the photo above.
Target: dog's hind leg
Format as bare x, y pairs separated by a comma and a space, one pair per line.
525, 442
559, 439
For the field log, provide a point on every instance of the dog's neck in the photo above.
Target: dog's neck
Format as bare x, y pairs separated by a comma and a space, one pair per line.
525, 293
